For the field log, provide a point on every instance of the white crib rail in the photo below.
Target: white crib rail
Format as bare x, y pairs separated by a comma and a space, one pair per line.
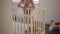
29, 24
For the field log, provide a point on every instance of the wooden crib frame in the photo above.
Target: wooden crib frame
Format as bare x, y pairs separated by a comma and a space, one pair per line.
27, 24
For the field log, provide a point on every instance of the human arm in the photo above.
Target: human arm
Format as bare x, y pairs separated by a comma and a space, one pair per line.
32, 4
19, 4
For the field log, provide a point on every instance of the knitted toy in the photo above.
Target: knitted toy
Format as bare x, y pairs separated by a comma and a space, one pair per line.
54, 25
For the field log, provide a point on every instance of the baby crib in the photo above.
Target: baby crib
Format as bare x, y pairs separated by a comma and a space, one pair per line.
29, 24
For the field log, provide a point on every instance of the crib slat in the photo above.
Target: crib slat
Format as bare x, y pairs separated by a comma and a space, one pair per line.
28, 22
34, 27
44, 20
31, 26
14, 27
20, 28
38, 23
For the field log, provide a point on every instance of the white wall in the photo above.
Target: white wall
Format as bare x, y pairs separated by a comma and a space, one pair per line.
0, 16
52, 9
6, 17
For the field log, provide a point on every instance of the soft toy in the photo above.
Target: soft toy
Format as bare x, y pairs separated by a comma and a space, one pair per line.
54, 25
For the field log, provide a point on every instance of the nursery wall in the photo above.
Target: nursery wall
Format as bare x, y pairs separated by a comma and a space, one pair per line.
52, 9
0, 16
6, 17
